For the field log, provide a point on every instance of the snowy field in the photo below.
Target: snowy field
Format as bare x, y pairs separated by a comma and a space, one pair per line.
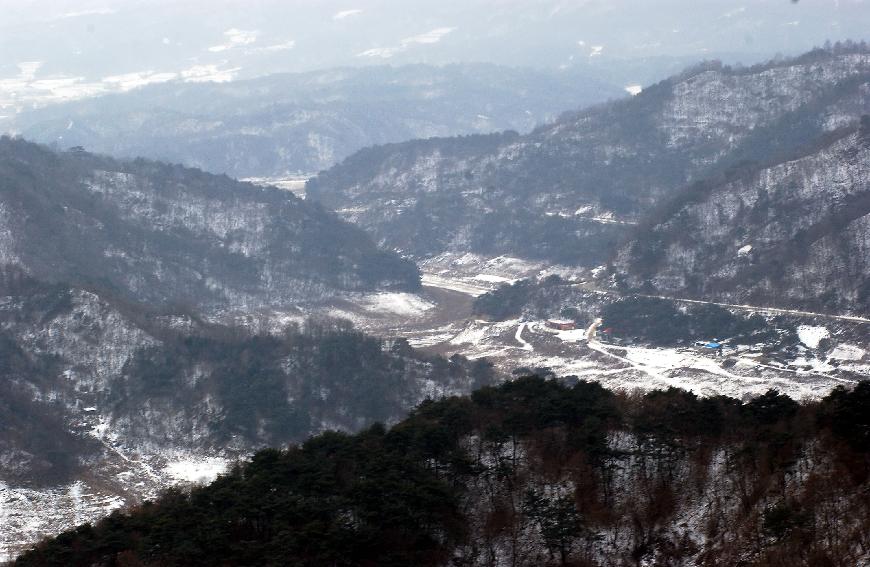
294, 184
530, 344
476, 275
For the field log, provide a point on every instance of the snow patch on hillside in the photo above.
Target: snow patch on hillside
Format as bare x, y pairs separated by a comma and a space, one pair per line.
28, 514
812, 336
406, 304
493, 278
196, 470
847, 352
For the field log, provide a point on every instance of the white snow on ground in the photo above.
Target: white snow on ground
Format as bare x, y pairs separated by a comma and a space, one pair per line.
519, 338
809, 363
198, 471
469, 265
664, 359
583, 214
382, 52
513, 344
294, 184
27, 514
427, 38
432, 36
811, 336
366, 309
404, 304
847, 352
473, 334
475, 275
607, 220
573, 336
634, 90
454, 284
493, 279
704, 374
441, 335
346, 14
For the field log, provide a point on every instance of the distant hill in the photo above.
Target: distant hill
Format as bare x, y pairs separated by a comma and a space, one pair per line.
288, 124
576, 190
170, 235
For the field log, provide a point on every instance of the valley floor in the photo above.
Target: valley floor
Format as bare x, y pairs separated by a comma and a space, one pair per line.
440, 319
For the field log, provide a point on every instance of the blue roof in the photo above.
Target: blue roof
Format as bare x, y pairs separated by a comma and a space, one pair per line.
713, 345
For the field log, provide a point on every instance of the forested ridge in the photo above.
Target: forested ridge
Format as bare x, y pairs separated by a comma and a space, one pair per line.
168, 235
665, 187
166, 378
788, 232
532, 472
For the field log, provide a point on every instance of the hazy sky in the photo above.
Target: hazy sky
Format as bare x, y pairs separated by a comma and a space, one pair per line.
52, 50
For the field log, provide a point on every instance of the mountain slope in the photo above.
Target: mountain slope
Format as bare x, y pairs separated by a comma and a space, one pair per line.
105, 402
165, 379
796, 233
165, 234
530, 473
570, 191
303, 123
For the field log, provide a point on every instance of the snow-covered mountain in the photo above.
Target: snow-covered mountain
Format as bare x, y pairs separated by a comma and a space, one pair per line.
794, 233
573, 191
105, 402
120, 373
166, 234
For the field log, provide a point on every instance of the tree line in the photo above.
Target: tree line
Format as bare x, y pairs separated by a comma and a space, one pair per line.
531, 472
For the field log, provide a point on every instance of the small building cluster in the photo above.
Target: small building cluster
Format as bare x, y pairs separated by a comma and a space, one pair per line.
562, 324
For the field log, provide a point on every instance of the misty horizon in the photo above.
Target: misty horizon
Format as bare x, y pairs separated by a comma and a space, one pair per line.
66, 50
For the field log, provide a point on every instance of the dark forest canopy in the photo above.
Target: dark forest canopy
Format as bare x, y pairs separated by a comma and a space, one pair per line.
463, 476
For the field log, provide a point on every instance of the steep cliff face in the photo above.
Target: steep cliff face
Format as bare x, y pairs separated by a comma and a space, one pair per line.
570, 191
166, 234
793, 234
304, 123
